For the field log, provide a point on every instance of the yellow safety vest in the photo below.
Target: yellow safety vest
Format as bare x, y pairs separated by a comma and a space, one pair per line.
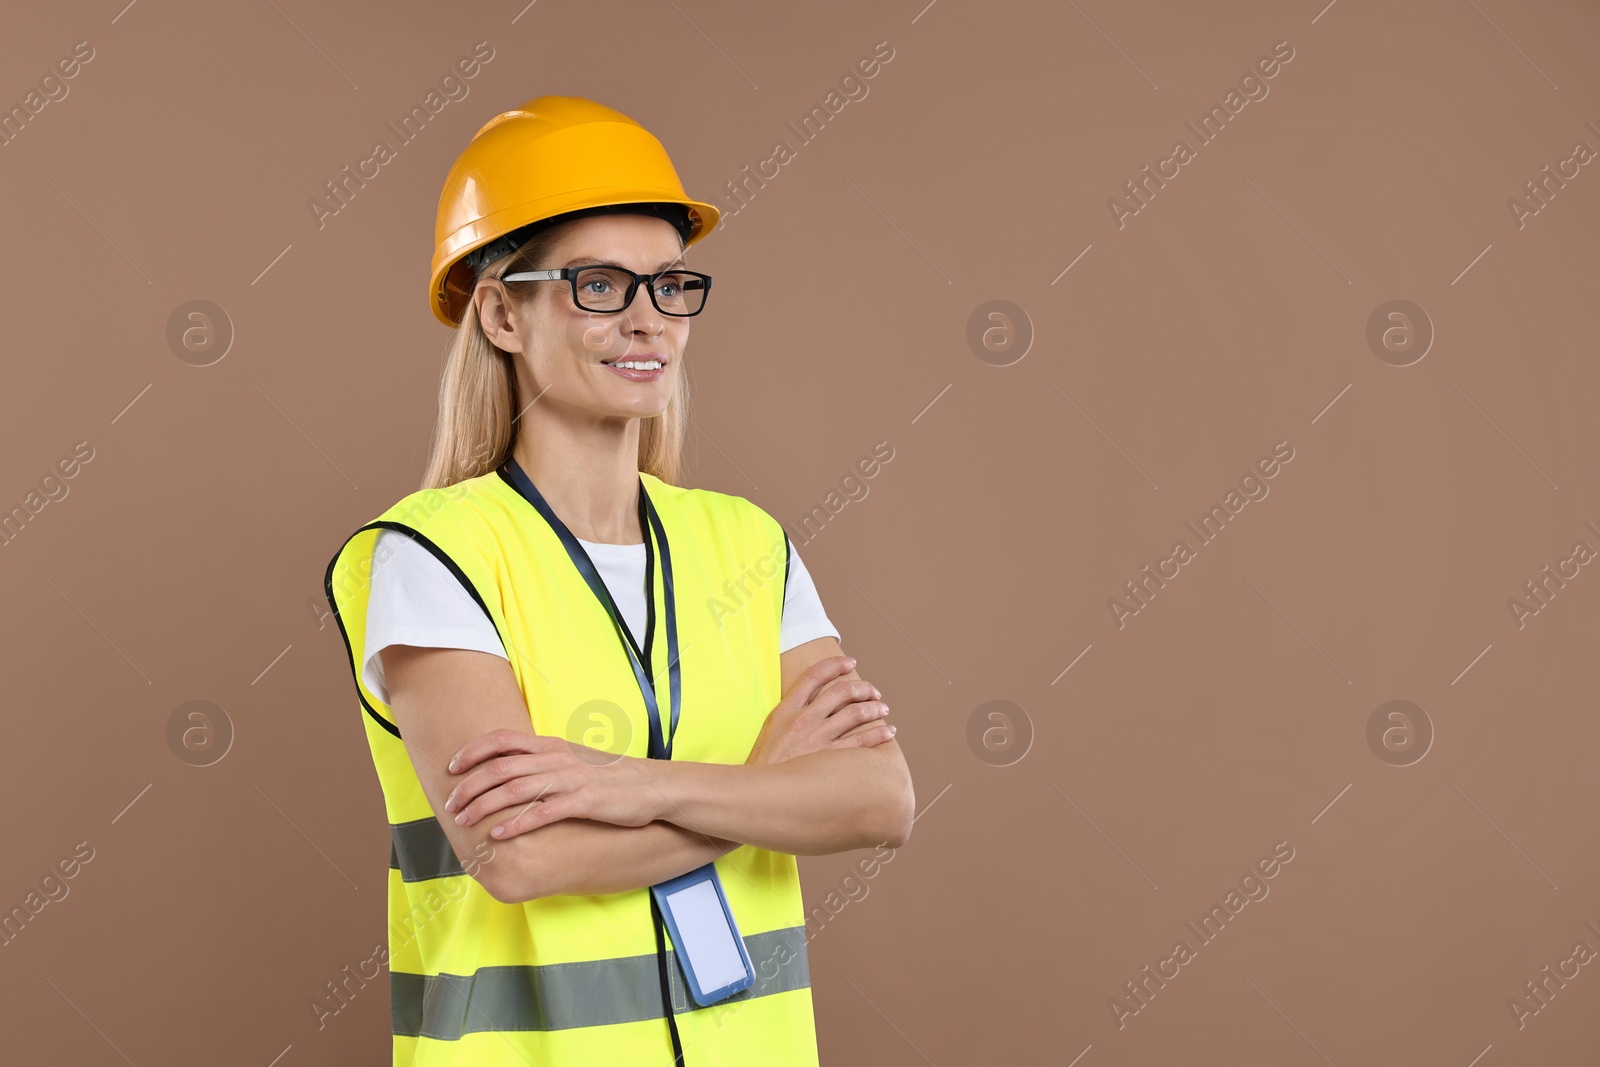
570, 980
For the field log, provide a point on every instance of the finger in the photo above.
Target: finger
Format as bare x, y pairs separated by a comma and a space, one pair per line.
500, 769
531, 817
853, 717
496, 743
819, 674
870, 736
513, 794
841, 693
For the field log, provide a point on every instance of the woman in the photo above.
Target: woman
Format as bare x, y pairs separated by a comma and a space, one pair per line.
571, 668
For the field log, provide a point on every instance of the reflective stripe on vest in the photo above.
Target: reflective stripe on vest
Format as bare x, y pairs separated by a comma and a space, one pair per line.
564, 995
575, 979
419, 850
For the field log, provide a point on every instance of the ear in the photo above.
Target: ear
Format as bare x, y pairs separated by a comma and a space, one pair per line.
494, 316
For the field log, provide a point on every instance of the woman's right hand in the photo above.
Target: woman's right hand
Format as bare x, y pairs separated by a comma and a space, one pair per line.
823, 711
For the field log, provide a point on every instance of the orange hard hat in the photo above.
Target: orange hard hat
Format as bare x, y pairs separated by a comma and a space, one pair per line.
553, 156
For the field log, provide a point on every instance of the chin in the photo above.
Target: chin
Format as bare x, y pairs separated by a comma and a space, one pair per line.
642, 407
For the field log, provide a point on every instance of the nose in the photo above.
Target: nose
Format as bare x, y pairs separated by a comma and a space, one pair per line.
641, 316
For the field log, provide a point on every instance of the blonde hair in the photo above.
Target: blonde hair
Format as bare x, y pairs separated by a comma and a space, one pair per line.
478, 401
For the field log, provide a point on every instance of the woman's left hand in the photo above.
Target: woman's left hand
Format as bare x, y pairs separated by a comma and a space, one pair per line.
547, 779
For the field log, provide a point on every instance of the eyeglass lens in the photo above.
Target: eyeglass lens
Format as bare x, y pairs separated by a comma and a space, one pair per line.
603, 289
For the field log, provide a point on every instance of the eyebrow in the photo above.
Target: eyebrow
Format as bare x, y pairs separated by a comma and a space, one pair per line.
590, 261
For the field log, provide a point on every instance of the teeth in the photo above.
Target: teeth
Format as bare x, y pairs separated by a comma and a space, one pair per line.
649, 364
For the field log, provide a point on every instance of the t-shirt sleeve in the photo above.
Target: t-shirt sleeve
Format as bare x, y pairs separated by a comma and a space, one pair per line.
415, 600
803, 617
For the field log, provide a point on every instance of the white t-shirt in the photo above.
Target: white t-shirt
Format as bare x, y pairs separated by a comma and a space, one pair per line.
415, 600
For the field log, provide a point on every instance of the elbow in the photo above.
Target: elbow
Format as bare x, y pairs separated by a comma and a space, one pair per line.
898, 829
891, 837
896, 815
521, 871
510, 881
503, 889
507, 894
521, 892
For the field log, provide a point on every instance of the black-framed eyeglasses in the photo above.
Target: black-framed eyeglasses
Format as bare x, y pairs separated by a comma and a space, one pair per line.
610, 289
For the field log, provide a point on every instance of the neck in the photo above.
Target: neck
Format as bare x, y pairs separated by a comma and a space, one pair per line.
587, 468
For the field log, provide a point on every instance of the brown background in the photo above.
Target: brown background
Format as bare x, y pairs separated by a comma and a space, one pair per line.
1230, 314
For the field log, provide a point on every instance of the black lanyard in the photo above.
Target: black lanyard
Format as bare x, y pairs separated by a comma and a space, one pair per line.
660, 748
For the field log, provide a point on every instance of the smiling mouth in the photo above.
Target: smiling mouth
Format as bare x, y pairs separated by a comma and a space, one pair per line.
636, 363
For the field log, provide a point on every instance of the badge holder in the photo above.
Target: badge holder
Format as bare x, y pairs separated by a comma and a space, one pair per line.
706, 937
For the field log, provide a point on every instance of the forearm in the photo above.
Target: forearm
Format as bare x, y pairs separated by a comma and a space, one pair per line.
581, 857
815, 804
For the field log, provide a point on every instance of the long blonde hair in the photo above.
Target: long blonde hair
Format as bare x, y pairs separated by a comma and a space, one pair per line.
479, 405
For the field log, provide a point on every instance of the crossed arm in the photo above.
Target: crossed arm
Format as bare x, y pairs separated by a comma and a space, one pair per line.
591, 826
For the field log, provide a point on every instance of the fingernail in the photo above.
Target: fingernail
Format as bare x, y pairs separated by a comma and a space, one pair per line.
891, 731
852, 663
453, 764
450, 805
461, 819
